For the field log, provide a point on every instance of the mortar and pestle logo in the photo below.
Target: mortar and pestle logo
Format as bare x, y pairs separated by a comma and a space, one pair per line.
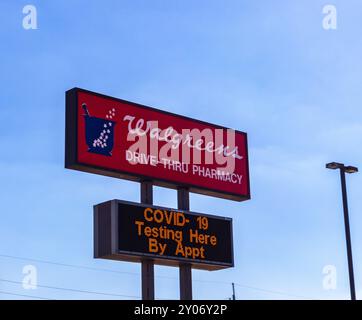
99, 133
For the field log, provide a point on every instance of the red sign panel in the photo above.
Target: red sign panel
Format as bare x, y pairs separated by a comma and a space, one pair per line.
122, 139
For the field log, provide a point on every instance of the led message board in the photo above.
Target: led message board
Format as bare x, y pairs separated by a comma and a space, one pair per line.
118, 138
130, 231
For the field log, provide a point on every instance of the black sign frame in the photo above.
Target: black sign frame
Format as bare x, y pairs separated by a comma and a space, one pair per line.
106, 237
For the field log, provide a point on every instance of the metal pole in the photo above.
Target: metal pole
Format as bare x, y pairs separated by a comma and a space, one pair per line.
233, 290
183, 203
348, 233
148, 274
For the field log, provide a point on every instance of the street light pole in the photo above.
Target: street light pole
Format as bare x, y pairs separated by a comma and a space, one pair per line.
349, 169
348, 234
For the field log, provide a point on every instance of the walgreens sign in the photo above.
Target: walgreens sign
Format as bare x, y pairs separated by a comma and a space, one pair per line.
122, 139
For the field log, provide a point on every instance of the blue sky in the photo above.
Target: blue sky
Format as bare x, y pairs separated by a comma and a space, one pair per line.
264, 67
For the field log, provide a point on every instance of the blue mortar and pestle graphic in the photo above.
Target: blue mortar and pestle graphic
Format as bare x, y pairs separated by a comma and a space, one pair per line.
99, 133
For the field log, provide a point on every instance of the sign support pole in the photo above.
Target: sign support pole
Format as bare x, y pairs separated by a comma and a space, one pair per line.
183, 203
148, 273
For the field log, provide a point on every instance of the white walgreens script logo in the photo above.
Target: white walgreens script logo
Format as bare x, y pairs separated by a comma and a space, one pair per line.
206, 146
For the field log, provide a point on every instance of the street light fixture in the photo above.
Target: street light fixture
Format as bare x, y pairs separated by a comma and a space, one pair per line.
350, 169
334, 165
337, 165
343, 169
